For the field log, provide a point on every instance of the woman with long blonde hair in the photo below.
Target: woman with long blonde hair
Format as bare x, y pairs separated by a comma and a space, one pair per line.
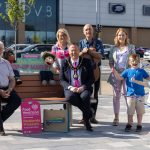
118, 59
60, 49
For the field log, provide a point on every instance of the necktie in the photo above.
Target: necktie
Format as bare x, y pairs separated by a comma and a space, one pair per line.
75, 75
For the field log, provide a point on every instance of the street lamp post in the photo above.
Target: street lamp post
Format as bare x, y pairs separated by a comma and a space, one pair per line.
98, 30
98, 26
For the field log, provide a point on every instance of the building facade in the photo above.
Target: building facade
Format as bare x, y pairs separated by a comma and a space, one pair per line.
134, 15
43, 20
39, 26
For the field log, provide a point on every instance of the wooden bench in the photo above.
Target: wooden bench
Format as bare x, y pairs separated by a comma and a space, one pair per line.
31, 87
45, 95
52, 94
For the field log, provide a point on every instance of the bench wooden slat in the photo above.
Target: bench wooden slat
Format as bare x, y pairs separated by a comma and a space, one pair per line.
32, 89
35, 77
30, 77
34, 83
50, 99
33, 95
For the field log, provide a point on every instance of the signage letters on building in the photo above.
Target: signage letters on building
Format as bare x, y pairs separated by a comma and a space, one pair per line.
117, 8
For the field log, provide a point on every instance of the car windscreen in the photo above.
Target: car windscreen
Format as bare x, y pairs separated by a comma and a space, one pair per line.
28, 48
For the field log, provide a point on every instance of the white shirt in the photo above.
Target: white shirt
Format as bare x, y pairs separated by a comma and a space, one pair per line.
6, 72
122, 57
78, 72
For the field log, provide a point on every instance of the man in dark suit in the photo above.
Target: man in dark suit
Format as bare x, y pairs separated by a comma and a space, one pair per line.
76, 76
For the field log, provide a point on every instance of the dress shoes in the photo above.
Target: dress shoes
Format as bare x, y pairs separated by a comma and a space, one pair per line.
89, 129
88, 125
94, 121
18, 81
2, 132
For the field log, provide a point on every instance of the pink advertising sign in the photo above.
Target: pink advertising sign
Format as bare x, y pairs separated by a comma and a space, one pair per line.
31, 117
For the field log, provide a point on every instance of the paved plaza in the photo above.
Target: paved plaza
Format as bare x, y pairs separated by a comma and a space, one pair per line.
104, 137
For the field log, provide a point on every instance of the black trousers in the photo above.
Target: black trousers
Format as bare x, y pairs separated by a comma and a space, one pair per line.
1, 121
17, 74
96, 90
46, 75
13, 102
82, 101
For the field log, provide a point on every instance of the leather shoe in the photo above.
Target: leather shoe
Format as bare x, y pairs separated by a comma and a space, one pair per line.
88, 125
93, 120
18, 81
89, 129
2, 132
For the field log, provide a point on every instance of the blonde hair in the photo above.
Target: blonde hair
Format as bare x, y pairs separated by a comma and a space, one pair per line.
64, 31
90, 26
1, 44
116, 37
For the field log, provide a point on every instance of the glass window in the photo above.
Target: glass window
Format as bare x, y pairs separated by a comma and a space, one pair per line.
41, 21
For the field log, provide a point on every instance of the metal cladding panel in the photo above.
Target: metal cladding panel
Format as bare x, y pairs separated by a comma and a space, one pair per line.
81, 12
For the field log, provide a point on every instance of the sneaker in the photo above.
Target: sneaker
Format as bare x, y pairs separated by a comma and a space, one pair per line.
44, 82
115, 122
138, 128
52, 82
128, 128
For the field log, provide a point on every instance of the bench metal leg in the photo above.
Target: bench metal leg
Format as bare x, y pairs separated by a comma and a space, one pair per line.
1, 121
70, 114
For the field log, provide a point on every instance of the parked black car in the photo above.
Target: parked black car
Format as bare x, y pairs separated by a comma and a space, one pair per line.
35, 49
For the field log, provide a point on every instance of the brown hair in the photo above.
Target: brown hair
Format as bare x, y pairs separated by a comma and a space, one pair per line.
134, 57
116, 38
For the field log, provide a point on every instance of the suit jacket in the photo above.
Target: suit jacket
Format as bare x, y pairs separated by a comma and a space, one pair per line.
87, 77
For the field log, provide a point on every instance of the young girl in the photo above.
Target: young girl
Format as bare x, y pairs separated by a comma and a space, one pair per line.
118, 59
135, 93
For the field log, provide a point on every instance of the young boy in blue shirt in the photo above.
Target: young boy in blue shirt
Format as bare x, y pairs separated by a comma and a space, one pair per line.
145, 84
135, 92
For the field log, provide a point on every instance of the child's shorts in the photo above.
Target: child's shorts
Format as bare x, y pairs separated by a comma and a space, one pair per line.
148, 84
135, 104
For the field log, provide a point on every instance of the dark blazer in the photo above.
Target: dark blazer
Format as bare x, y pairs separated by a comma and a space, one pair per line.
87, 77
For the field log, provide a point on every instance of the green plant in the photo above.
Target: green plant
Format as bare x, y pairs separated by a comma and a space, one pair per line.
15, 11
